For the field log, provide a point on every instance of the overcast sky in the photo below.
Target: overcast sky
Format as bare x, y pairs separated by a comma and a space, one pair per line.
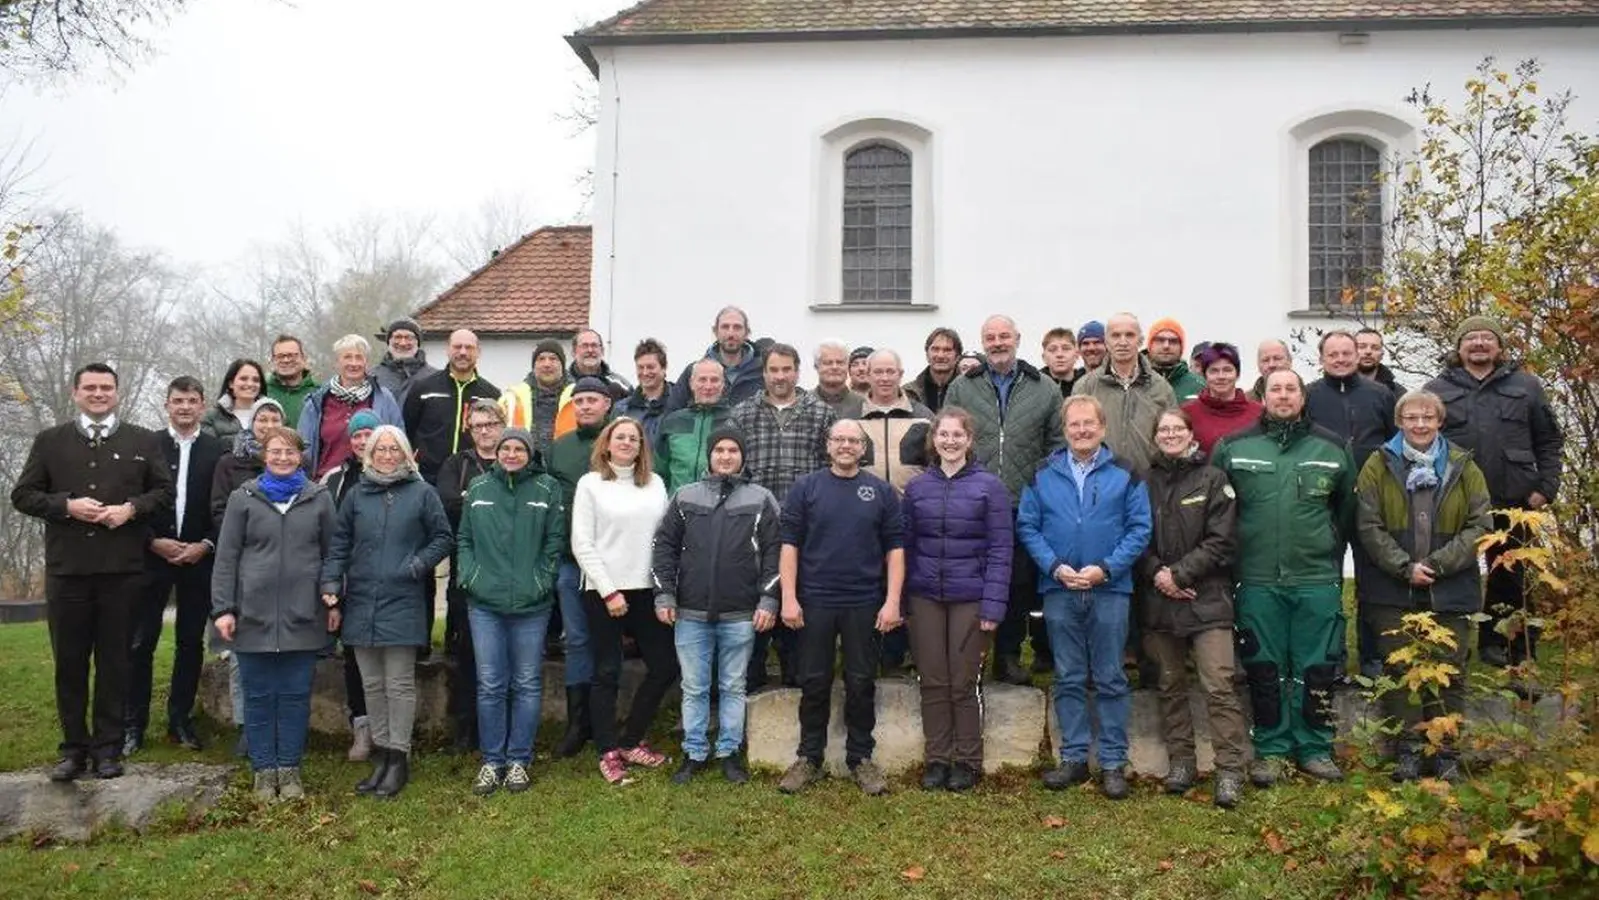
257, 114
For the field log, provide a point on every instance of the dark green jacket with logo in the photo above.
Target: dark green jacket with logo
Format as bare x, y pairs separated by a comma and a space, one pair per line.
1457, 514
513, 535
1296, 501
680, 445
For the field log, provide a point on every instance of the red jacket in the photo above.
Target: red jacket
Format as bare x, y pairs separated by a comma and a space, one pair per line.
1215, 419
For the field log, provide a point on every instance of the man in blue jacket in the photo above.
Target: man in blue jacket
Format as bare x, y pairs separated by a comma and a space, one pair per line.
1085, 520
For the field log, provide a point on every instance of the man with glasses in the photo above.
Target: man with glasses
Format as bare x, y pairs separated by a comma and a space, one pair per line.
290, 380
435, 409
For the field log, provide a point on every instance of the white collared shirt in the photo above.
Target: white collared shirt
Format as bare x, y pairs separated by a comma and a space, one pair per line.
185, 445
87, 424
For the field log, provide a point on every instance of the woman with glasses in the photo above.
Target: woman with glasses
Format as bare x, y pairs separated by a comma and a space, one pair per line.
1221, 408
1186, 597
1422, 506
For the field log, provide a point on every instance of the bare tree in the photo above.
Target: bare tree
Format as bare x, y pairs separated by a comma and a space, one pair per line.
48, 38
476, 237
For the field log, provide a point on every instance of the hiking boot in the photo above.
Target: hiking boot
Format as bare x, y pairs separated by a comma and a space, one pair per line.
395, 777
579, 724
612, 768
487, 781
110, 767
1407, 765
70, 768
380, 764
1008, 670
1113, 783
266, 785
1180, 776
1449, 769
516, 779
1265, 773
1065, 775
289, 787
687, 770
361, 740
962, 778
643, 755
870, 777
1229, 788
801, 775
734, 770
1322, 768
936, 776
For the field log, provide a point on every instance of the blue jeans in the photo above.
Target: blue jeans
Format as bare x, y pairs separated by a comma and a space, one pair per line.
510, 682
729, 644
277, 706
579, 656
1087, 632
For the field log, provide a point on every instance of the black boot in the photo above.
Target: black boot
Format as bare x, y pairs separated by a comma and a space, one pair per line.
380, 766
395, 776
579, 725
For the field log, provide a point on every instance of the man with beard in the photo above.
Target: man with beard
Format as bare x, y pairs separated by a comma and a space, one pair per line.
648, 402
832, 379
1166, 341
858, 380
435, 410
405, 362
534, 403
943, 349
1091, 345
1369, 353
588, 358
735, 353
290, 381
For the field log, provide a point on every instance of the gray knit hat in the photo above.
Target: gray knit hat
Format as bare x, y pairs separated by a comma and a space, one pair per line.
1478, 323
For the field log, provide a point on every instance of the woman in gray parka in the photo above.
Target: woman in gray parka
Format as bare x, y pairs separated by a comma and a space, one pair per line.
392, 532
264, 598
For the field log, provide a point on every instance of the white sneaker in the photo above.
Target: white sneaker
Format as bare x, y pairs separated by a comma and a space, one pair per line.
487, 781
516, 779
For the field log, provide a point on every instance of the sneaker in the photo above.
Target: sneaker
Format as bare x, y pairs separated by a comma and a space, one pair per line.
1407, 766
801, 775
936, 776
516, 780
1229, 789
289, 787
643, 755
1322, 768
1113, 783
266, 785
1180, 776
870, 777
1265, 773
487, 781
613, 768
963, 777
1065, 775
687, 770
734, 770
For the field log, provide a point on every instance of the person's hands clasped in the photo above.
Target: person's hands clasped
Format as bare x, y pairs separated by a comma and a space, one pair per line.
86, 509
1166, 584
191, 554
1422, 576
116, 516
1085, 579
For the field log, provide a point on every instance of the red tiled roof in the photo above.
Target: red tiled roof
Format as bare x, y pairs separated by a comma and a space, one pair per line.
734, 18
538, 285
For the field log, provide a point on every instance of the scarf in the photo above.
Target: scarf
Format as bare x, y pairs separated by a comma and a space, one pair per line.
245, 445
352, 396
372, 476
1423, 472
282, 489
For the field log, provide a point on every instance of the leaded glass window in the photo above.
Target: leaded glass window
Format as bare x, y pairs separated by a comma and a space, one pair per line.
877, 224
1346, 223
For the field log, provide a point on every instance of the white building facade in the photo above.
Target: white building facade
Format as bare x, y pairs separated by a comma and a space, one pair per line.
1055, 178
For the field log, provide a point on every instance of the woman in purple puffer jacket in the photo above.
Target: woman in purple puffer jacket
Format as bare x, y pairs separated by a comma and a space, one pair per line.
958, 527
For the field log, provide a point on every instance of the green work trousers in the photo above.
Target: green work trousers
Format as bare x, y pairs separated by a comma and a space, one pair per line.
1291, 643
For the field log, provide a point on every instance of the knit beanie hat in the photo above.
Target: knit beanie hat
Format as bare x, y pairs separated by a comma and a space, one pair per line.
517, 434
588, 384
264, 402
363, 420
1479, 323
403, 324
1217, 352
724, 434
1091, 331
543, 347
1167, 324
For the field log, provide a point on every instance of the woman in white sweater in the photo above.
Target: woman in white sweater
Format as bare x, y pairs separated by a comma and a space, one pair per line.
614, 514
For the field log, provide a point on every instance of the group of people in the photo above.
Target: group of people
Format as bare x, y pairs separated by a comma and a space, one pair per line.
1126, 503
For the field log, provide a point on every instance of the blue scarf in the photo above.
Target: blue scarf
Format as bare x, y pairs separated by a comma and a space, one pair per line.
282, 489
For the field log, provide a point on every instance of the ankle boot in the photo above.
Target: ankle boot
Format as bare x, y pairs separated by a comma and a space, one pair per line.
396, 776
579, 725
380, 765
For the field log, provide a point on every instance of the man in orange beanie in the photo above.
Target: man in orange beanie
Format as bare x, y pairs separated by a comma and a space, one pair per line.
1166, 342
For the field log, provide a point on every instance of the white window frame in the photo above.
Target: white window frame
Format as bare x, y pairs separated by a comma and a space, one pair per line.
827, 240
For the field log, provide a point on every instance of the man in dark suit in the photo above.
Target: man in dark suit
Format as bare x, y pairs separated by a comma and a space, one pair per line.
178, 562
95, 481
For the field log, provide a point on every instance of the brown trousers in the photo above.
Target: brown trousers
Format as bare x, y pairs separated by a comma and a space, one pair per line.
1212, 653
1396, 704
948, 647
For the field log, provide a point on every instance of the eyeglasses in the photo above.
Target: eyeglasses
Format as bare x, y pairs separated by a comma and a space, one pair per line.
483, 426
837, 439
1418, 418
1172, 429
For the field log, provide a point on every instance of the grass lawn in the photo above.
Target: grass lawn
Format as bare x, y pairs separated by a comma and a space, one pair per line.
572, 836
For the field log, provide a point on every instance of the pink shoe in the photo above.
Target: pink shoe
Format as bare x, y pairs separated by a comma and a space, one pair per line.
642, 755
613, 768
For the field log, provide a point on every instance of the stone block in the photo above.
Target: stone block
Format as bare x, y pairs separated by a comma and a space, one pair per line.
31, 803
1013, 726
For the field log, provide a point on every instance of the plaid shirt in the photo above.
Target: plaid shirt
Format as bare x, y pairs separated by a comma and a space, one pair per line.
779, 449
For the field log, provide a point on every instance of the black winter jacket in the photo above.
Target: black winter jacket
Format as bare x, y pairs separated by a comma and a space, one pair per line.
435, 417
1360, 411
1506, 422
456, 473
1195, 535
716, 550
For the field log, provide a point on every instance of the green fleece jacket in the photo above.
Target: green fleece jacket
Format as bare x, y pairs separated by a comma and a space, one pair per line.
681, 450
1296, 501
513, 535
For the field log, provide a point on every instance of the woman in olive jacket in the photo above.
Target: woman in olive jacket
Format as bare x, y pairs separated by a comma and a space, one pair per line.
1187, 604
392, 533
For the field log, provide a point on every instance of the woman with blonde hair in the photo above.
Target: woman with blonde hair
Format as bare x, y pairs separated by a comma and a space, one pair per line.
615, 511
392, 532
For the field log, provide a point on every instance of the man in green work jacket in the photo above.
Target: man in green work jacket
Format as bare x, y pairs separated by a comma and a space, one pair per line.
1296, 512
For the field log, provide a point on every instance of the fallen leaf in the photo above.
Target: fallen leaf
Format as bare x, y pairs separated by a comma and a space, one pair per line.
1290, 864
367, 886
1165, 865
914, 873
71, 868
1057, 854
1054, 822
1274, 842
